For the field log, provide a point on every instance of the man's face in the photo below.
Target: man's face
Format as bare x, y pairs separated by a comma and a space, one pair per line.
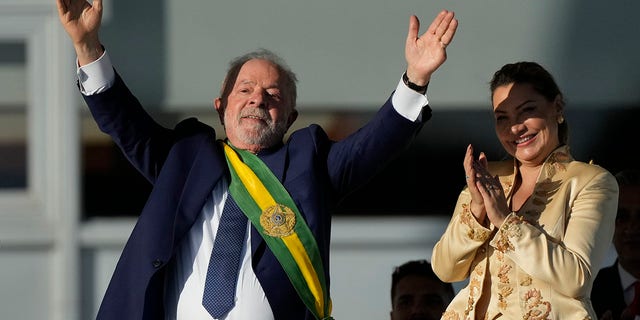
257, 114
627, 233
419, 298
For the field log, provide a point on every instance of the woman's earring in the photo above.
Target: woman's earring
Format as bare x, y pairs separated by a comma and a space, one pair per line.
560, 119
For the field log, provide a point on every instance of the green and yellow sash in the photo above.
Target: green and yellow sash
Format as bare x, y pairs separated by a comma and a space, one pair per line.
274, 214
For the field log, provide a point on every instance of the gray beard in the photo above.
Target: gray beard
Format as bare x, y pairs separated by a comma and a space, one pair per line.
264, 136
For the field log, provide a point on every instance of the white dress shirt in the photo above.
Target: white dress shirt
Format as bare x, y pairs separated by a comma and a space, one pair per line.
627, 280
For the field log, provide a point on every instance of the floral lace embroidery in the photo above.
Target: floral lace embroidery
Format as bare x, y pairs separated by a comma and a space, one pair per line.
502, 274
450, 315
509, 229
474, 288
502, 296
526, 281
469, 307
544, 191
536, 308
467, 218
477, 270
466, 215
505, 287
557, 162
542, 195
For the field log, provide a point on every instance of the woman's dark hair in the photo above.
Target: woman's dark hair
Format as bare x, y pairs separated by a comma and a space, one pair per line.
526, 72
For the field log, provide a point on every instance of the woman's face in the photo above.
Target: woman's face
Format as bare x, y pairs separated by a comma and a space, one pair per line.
526, 122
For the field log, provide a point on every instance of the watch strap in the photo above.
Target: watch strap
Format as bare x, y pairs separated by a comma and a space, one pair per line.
413, 86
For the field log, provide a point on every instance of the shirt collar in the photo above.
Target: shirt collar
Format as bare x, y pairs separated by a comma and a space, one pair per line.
626, 278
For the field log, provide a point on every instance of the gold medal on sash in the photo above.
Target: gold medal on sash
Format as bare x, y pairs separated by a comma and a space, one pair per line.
278, 220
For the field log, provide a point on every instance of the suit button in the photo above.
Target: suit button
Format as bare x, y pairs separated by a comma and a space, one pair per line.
157, 263
483, 250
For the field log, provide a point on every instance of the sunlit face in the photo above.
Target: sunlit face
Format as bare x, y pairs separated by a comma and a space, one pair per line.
627, 233
257, 114
419, 298
526, 123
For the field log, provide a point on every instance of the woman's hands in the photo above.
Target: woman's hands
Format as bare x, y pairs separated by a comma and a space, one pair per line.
487, 196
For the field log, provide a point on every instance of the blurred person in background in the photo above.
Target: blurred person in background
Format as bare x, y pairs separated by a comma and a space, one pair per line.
417, 293
616, 290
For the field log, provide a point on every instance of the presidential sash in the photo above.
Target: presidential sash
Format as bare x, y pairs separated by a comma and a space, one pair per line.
274, 214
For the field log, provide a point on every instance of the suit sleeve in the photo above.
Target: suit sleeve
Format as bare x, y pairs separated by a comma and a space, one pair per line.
453, 255
573, 260
355, 159
143, 141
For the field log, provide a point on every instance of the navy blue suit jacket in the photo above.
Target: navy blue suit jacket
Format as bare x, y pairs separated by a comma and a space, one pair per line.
185, 163
607, 292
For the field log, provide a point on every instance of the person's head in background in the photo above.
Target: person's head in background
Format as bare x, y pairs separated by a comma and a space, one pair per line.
417, 293
626, 237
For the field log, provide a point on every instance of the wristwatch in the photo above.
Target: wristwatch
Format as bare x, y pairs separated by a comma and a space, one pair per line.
413, 86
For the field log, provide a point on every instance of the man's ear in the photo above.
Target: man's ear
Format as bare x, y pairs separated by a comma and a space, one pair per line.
217, 104
292, 118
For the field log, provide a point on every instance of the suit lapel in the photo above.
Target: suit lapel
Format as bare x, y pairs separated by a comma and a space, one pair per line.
207, 169
275, 159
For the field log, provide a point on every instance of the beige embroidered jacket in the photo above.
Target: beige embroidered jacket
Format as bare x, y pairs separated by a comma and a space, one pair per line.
541, 263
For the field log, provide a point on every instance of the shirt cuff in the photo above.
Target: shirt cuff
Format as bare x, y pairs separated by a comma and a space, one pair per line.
97, 76
408, 102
